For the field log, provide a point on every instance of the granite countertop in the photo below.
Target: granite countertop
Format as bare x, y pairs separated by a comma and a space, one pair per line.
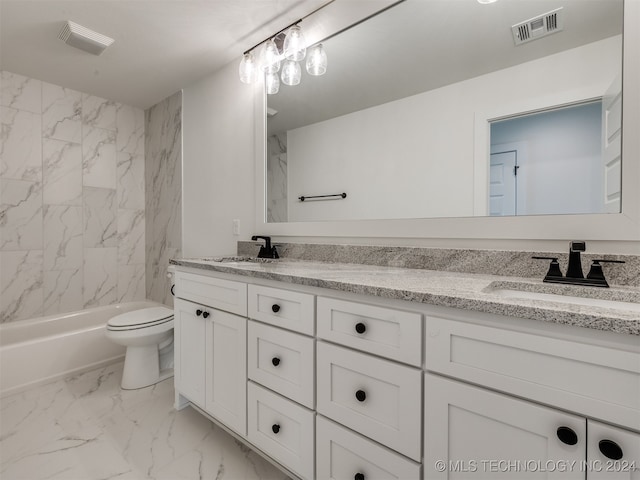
467, 291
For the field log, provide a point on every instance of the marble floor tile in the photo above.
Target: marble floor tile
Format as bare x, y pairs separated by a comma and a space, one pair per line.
85, 427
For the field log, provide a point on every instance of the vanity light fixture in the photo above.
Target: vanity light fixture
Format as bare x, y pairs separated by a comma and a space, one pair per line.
272, 81
291, 72
486, 2
317, 60
287, 53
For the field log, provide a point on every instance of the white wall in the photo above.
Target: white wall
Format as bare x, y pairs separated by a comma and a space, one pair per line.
414, 158
218, 107
218, 163
561, 170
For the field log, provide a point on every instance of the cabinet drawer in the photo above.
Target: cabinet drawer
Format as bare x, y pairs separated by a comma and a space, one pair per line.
593, 380
382, 331
340, 454
282, 361
214, 292
375, 397
282, 308
282, 429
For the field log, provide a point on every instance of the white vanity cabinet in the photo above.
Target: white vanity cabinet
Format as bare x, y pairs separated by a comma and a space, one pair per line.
210, 347
333, 385
189, 351
612, 453
471, 430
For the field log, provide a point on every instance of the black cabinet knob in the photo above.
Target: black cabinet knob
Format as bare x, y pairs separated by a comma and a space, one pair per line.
275, 361
361, 395
361, 327
610, 449
205, 314
198, 313
275, 308
275, 428
358, 476
567, 435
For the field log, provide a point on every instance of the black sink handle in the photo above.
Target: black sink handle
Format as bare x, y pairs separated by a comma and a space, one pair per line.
554, 266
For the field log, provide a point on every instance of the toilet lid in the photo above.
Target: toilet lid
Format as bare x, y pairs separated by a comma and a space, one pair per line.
144, 316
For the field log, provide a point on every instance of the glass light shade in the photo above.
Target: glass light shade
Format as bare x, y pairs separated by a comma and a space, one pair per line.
291, 72
273, 83
270, 57
248, 69
317, 60
294, 44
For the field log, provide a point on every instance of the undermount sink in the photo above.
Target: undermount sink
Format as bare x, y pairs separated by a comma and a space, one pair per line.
574, 300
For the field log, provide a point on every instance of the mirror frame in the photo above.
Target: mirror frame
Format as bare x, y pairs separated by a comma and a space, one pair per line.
624, 226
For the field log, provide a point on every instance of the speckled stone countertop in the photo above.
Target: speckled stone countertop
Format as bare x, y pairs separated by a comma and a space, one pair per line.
477, 292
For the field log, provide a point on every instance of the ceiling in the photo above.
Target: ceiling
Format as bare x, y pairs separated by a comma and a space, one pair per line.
420, 45
160, 46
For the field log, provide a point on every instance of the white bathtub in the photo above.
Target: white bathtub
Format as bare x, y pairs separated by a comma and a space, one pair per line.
43, 349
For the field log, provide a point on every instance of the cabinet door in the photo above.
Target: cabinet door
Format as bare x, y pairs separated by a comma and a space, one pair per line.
612, 453
189, 351
226, 369
471, 432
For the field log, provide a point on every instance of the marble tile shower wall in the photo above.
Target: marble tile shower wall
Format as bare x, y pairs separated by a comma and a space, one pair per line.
163, 177
277, 178
72, 200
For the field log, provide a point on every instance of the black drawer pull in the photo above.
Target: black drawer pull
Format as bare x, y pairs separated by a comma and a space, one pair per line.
275, 428
361, 395
275, 308
610, 449
205, 314
198, 313
358, 476
567, 435
361, 328
275, 361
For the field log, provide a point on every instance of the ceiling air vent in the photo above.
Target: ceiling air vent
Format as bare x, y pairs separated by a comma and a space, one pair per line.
81, 37
538, 27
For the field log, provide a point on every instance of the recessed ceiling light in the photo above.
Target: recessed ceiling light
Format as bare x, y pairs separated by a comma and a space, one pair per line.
485, 2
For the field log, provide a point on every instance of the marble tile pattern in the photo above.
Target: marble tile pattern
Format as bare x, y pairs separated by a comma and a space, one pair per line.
163, 181
86, 427
468, 291
72, 207
277, 178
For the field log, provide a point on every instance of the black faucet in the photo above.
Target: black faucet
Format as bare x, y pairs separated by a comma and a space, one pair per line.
574, 276
267, 250
574, 270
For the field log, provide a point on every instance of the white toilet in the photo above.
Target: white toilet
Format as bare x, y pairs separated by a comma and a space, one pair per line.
148, 335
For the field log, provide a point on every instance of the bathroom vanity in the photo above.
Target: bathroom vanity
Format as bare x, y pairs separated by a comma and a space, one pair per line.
353, 371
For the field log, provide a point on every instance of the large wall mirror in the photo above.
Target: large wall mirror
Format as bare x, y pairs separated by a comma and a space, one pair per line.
392, 121
435, 110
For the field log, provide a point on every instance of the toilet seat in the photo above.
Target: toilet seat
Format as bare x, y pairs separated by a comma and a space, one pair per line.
139, 319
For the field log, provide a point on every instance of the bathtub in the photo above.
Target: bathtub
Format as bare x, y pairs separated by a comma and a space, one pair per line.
44, 349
